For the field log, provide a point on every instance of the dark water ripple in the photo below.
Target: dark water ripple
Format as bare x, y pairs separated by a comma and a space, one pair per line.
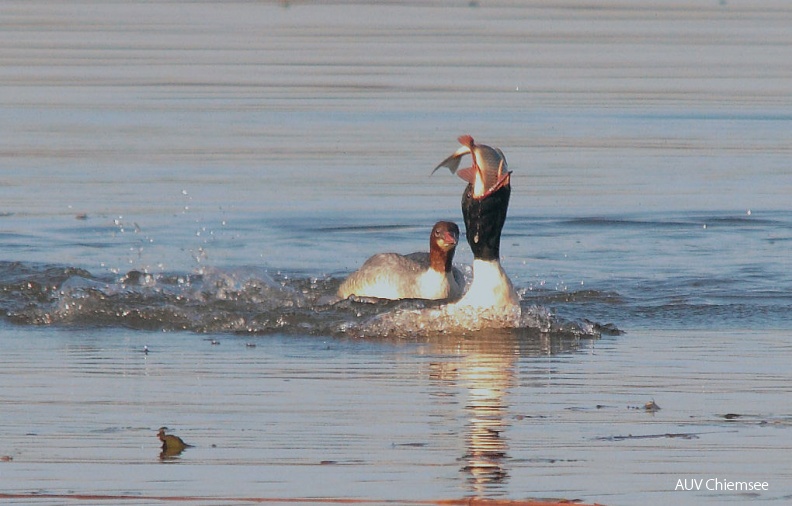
690, 309
663, 270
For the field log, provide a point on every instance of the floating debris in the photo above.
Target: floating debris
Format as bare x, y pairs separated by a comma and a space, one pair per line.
650, 407
172, 446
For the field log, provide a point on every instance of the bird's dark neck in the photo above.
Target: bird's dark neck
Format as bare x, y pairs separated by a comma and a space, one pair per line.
484, 221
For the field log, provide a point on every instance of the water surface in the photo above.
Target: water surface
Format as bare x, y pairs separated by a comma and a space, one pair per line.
196, 179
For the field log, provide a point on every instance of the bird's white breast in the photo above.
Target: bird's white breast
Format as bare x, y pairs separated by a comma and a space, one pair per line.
490, 288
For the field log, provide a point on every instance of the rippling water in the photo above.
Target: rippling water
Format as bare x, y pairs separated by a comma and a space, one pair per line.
196, 179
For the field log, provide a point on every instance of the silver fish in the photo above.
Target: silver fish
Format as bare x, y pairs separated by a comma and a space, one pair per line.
489, 171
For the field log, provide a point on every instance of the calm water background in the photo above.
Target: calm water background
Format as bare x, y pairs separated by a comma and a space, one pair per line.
249, 155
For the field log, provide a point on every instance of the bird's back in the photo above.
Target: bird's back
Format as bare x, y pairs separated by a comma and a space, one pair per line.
393, 276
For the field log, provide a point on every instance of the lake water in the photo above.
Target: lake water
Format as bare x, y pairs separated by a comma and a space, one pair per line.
183, 186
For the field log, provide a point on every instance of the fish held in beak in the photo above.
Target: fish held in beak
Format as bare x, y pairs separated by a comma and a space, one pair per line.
488, 172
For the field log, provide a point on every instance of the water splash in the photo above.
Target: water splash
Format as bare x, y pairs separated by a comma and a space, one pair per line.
247, 300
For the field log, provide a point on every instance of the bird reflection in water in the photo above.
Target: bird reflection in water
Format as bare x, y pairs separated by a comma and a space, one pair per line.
484, 368
487, 376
